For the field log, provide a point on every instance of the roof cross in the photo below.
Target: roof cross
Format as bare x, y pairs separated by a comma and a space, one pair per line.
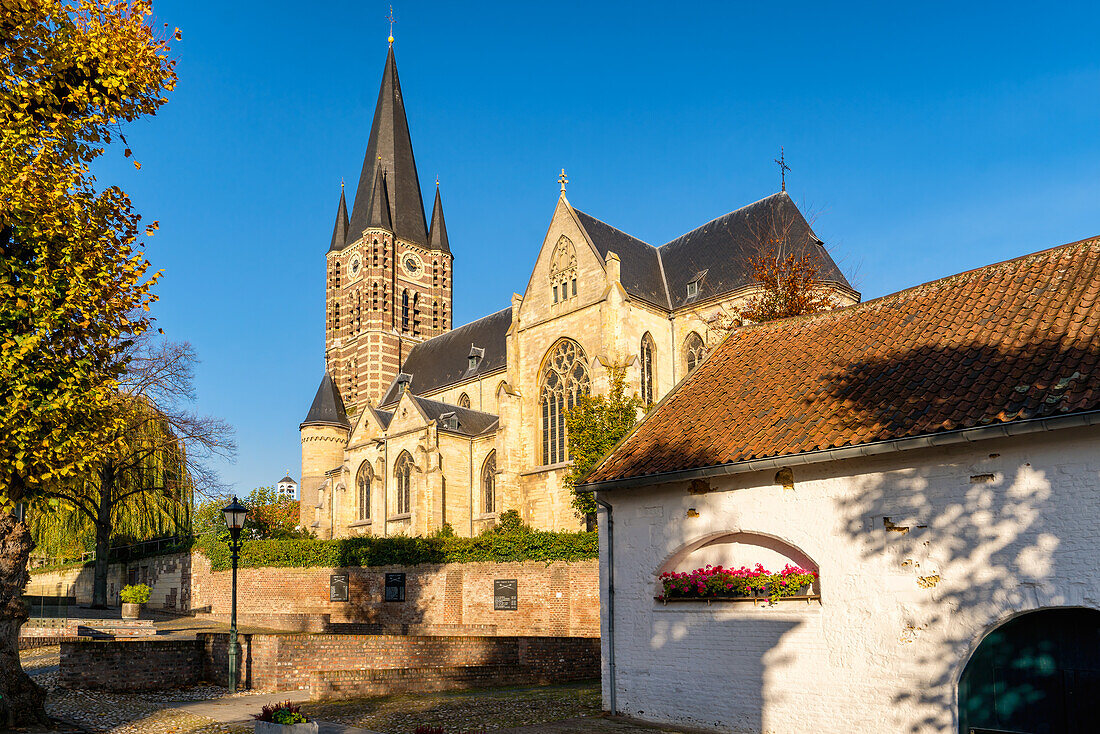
783, 168
563, 180
392, 20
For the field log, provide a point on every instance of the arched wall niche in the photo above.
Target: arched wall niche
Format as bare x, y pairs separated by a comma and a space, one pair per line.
736, 548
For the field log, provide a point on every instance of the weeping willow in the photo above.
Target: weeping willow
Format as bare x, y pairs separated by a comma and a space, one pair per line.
143, 490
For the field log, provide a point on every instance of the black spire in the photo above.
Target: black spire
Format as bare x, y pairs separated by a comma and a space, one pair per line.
437, 235
379, 212
328, 407
390, 148
340, 229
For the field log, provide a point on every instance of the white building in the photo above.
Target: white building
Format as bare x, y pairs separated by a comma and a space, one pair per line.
287, 488
934, 455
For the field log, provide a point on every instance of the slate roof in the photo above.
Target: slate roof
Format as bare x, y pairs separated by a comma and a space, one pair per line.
286, 479
437, 235
1009, 342
470, 422
340, 228
378, 213
724, 246
444, 360
720, 250
328, 407
390, 148
640, 264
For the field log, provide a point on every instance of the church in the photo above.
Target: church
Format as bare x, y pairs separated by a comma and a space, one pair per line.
417, 424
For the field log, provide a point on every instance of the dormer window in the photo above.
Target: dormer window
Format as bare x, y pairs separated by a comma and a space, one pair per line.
475, 356
694, 283
403, 381
449, 421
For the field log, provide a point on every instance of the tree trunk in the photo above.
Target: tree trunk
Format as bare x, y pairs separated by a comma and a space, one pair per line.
21, 700
102, 545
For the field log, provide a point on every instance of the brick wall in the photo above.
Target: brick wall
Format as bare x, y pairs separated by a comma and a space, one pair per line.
286, 662
559, 599
168, 576
130, 665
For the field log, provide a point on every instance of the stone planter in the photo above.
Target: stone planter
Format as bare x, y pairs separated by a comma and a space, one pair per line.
131, 610
266, 727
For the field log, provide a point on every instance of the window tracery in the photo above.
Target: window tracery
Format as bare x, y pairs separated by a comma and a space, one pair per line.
694, 350
362, 483
564, 380
402, 473
646, 358
489, 483
563, 270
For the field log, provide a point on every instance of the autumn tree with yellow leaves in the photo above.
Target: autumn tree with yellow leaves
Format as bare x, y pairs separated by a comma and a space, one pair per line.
74, 281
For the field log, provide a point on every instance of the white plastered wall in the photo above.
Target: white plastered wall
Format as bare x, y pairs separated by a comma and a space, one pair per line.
995, 529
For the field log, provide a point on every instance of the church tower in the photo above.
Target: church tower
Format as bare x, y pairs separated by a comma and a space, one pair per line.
389, 279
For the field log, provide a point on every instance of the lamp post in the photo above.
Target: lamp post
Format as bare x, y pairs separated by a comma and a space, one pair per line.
234, 513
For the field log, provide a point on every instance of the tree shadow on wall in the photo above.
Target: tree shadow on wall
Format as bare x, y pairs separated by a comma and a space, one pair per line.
969, 535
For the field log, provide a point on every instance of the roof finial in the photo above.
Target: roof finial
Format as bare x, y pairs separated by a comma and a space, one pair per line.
341, 183
783, 168
437, 180
563, 180
392, 20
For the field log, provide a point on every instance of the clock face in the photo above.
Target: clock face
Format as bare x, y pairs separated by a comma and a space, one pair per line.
412, 265
353, 268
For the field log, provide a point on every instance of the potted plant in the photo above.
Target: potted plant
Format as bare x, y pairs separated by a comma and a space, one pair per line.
133, 598
283, 718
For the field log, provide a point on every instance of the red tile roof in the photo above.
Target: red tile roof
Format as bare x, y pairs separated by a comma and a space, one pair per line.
1003, 343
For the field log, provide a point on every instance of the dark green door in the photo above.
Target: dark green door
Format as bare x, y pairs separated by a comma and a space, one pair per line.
1037, 674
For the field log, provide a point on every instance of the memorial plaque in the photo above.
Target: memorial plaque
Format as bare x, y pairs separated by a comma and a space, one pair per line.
338, 587
395, 587
505, 595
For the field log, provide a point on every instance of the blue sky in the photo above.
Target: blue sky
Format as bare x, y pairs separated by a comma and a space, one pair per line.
928, 139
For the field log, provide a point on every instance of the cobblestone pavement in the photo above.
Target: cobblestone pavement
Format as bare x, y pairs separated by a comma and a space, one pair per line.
565, 709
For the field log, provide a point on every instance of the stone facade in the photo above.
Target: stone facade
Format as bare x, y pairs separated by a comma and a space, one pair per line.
599, 291
921, 555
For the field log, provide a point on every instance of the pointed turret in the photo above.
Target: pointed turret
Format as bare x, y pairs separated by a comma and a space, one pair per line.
390, 148
379, 212
437, 235
328, 407
340, 229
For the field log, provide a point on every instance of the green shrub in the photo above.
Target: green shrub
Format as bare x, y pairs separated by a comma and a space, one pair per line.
400, 550
138, 594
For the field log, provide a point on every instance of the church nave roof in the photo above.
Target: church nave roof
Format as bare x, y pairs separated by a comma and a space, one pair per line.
445, 360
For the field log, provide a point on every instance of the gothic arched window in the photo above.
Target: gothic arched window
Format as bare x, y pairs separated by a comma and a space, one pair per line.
404, 310
564, 379
646, 357
362, 483
694, 350
402, 473
416, 314
489, 483
563, 270
464, 401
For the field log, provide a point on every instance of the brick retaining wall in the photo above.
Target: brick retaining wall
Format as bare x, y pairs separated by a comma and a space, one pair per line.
130, 665
555, 599
286, 662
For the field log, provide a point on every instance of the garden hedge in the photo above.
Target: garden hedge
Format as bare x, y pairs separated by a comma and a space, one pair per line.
533, 545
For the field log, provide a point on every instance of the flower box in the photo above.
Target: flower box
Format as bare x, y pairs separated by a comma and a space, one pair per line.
266, 727
716, 582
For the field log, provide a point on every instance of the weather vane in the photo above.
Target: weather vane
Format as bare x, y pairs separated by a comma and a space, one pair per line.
392, 20
783, 168
563, 180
